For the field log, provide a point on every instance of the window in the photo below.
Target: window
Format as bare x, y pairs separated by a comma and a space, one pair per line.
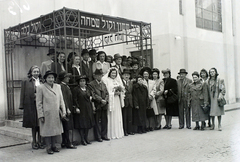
208, 14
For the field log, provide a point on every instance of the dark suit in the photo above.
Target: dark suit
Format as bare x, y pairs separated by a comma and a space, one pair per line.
99, 93
67, 125
87, 70
127, 109
182, 101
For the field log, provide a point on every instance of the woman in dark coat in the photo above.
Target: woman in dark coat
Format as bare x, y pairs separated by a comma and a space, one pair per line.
140, 104
83, 117
64, 78
28, 104
170, 88
198, 97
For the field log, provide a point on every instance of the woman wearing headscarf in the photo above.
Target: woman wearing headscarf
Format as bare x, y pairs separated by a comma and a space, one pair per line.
217, 92
28, 104
50, 105
170, 90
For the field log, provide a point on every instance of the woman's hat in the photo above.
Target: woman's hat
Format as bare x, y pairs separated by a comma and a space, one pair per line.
166, 71
145, 69
49, 72
84, 51
134, 63
63, 74
183, 71
77, 78
126, 71
116, 56
98, 72
51, 51
195, 73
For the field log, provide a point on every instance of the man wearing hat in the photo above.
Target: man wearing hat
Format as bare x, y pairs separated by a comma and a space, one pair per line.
93, 55
184, 110
128, 103
86, 65
118, 61
46, 65
64, 78
100, 100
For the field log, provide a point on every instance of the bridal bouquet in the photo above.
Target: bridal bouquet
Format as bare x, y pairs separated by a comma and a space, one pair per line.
119, 89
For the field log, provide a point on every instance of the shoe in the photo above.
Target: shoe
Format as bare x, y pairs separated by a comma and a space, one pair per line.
125, 134
71, 146
41, 146
55, 149
84, 143
202, 128
144, 131
165, 127
196, 128
63, 145
88, 142
34, 146
147, 129
181, 127
189, 128
151, 129
219, 128
99, 140
212, 127
131, 133
49, 151
105, 138
169, 127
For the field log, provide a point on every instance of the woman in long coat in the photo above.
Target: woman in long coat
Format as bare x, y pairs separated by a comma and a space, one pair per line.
170, 87
50, 103
83, 113
217, 92
161, 106
140, 104
64, 78
198, 97
28, 104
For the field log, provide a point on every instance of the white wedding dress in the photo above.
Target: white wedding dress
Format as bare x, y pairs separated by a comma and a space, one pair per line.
115, 123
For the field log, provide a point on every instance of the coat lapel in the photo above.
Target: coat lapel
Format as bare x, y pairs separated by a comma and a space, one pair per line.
53, 90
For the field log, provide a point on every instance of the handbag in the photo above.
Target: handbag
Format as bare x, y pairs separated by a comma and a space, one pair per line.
173, 98
205, 109
221, 102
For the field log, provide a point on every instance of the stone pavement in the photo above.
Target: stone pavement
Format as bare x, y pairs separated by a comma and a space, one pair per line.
163, 145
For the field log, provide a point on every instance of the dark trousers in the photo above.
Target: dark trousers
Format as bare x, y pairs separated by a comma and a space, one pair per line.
127, 119
184, 111
50, 141
65, 134
100, 128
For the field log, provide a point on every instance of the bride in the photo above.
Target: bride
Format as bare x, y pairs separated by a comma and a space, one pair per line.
116, 102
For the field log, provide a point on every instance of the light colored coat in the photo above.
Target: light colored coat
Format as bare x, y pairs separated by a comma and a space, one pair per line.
151, 86
49, 102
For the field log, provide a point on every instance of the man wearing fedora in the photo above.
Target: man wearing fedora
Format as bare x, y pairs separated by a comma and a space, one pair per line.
184, 110
64, 78
128, 103
118, 62
86, 65
100, 100
46, 65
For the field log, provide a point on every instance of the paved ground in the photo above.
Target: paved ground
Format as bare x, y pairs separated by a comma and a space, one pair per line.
163, 145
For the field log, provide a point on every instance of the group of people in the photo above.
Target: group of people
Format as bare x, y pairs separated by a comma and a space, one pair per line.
116, 99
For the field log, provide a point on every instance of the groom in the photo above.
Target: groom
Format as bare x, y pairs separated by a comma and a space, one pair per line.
100, 100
